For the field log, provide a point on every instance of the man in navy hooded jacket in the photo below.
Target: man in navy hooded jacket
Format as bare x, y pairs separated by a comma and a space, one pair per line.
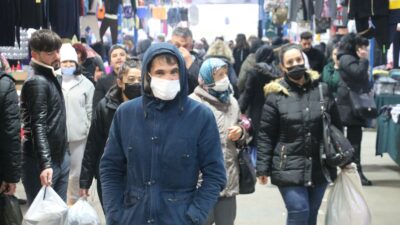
158, 144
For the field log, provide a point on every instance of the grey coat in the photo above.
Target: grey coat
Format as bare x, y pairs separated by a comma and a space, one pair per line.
226, 115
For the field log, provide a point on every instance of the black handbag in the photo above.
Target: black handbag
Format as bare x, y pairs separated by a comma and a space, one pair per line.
10, 212
363, 105
247, 173
338, 151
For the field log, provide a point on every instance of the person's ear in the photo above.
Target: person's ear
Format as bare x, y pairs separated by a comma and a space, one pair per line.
34, 54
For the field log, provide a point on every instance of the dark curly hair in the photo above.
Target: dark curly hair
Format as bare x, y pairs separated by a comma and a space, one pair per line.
349, 43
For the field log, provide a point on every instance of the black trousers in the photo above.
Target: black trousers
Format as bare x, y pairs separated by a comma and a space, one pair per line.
113, 24
354, 135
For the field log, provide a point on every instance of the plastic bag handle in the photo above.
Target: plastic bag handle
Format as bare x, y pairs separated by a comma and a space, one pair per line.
44, 195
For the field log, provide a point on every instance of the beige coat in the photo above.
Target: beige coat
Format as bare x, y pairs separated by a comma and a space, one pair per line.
226, 115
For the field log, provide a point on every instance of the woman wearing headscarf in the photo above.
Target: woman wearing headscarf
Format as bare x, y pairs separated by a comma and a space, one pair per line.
219, 49
214, 90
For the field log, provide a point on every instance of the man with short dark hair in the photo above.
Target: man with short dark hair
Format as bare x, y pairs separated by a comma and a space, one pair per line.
182, 38
315, 57
45, 155
117, 56
157, 146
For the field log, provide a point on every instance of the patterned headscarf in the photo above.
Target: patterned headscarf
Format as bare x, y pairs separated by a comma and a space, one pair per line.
207, 70
206, 79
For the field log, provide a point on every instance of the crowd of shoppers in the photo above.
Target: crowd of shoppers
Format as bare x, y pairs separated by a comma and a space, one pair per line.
160, 132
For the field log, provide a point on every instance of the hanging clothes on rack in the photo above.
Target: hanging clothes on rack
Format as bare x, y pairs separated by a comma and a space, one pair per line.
307, 7
64, 17
35, 14
378, 11
173, 16
9, 22
89, 24
110, 19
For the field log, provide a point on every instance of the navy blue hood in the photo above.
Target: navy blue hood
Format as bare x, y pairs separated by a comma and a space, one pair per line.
151, 53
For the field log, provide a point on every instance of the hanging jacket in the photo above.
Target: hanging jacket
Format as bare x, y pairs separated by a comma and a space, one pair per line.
319, 7
367, 8
98, 134
10, 145
9, 22
78, 105
43, 116
226, 116
294, 7
64, 17
290, 135
34, 14
154, 153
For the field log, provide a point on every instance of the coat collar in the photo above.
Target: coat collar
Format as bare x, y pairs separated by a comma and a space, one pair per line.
281, 85
42, 69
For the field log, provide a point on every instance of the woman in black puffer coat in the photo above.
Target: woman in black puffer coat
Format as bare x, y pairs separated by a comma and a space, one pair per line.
353, 69
127, 87
290, 138
252, 99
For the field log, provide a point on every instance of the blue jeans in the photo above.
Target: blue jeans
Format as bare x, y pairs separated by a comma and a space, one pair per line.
302, 203
31, 177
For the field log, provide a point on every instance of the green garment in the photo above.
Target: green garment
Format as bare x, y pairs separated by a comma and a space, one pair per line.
331, 77
387, 140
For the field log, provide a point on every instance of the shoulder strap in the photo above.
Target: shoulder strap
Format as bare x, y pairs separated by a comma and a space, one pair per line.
321, 98
3, 74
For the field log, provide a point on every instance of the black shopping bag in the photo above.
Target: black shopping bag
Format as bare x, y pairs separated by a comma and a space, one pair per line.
10, 212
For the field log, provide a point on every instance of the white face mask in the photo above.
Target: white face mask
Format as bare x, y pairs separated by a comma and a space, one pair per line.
164, 89
221, 85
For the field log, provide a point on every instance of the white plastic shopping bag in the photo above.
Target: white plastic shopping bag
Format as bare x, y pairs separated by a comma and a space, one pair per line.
47, 209
346, 202
82, 213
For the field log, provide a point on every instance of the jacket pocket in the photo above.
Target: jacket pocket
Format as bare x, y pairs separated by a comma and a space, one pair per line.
175, 206
132, 197
179, 198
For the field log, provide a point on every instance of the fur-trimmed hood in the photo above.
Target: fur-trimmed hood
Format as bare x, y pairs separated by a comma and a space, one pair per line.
276, 85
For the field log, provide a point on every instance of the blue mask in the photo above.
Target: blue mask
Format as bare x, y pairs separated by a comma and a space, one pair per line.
68, 71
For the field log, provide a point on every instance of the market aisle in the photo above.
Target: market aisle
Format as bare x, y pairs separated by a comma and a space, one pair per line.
265, 206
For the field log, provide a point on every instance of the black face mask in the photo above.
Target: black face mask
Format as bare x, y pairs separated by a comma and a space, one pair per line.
296, 72
132, 91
